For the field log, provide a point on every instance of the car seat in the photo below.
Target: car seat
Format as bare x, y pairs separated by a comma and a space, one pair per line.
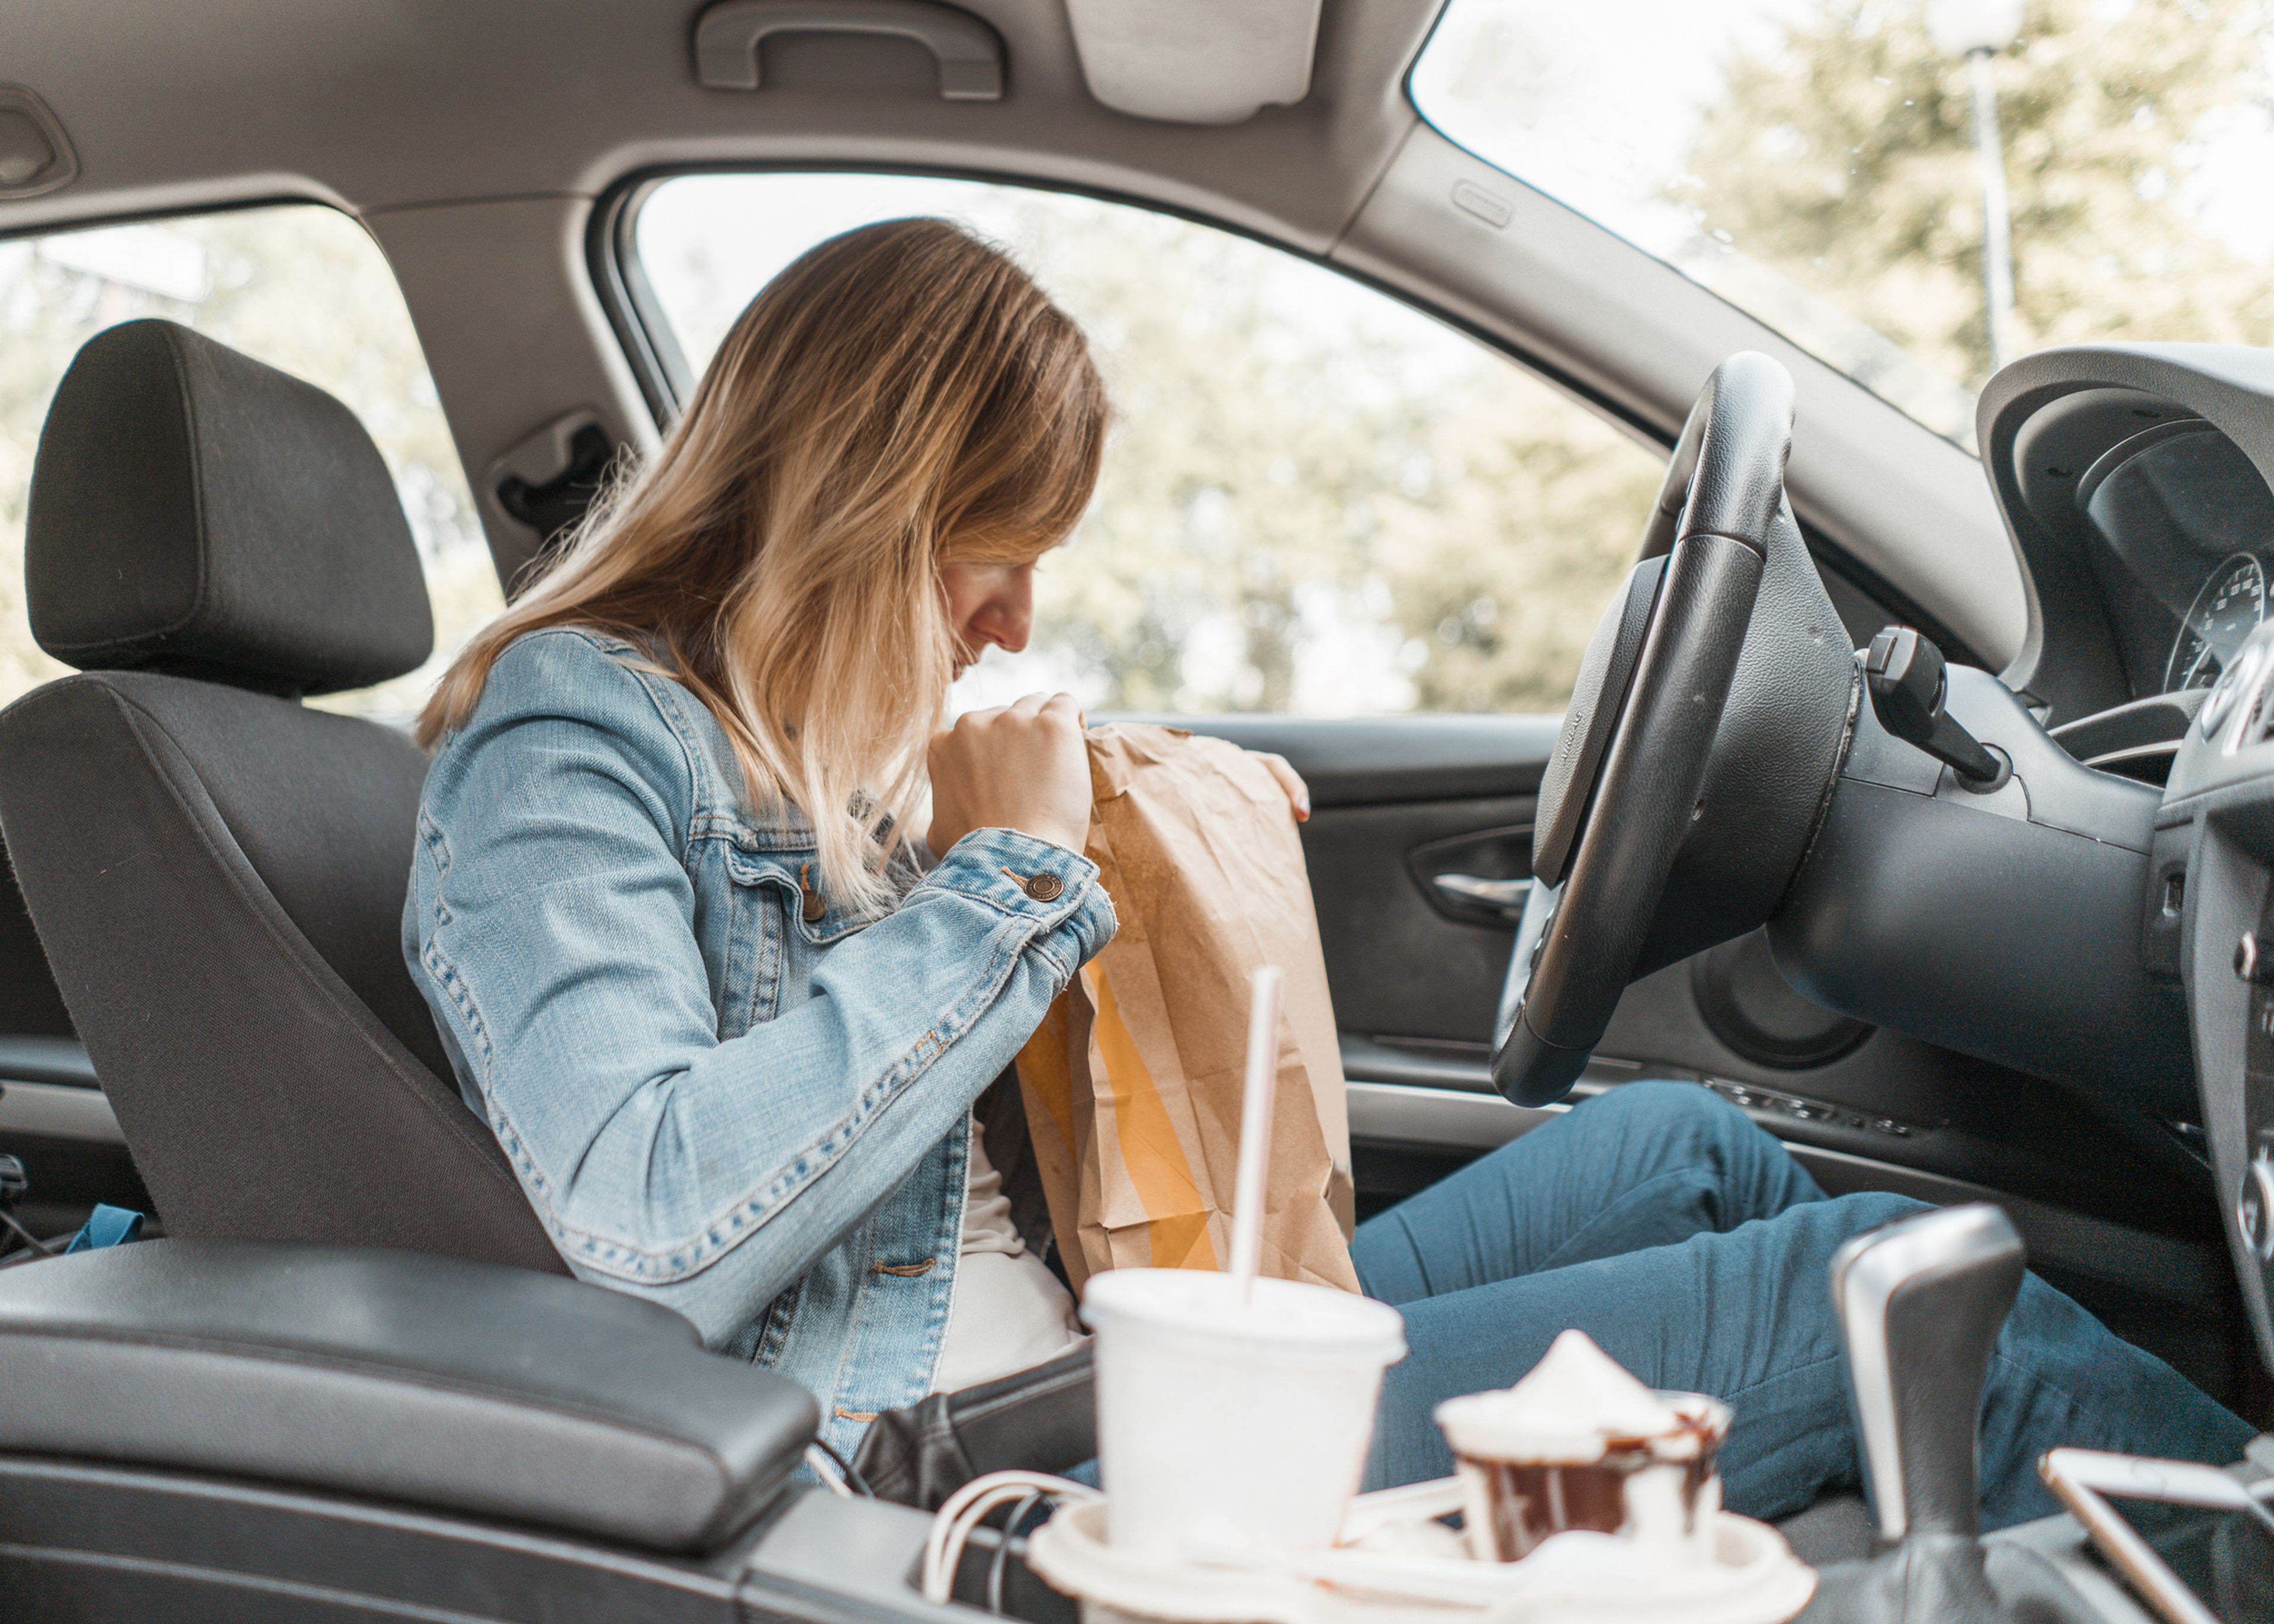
216, 871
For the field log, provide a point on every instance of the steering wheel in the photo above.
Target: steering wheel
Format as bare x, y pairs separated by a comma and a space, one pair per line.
1623, 789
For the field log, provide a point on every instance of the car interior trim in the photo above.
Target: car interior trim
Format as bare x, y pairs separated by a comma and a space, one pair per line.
730, 39
51, 1111
480, 215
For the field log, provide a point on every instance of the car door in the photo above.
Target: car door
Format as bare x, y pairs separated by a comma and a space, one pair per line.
1333, 528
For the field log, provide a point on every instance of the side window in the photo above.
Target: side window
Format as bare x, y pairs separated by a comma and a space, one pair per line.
301, 287
1315, 499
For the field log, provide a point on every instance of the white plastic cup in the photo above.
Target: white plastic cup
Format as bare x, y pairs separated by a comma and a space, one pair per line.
1217, 1421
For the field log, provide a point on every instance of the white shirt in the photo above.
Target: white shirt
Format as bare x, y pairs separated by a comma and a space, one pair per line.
1010, 1313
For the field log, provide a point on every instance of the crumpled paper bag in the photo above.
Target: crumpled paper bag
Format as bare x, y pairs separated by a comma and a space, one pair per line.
1132, 1083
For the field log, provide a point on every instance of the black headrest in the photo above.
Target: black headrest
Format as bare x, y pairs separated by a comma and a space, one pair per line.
195, 512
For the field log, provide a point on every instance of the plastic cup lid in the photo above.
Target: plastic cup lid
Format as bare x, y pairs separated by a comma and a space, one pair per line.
1286, 1316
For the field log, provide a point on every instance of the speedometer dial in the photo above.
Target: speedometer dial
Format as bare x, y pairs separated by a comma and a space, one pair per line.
2226, 611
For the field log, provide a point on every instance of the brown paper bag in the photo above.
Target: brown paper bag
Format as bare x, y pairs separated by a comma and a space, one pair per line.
1132, 1083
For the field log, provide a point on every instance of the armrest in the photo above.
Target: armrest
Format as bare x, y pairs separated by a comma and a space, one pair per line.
462, 1386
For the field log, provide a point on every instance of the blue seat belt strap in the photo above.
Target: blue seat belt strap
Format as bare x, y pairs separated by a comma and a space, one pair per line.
106, 1226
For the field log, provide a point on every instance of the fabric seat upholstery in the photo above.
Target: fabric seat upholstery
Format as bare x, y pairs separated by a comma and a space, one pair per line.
216, 872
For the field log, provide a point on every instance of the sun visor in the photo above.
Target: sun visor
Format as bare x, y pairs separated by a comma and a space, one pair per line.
1195, 62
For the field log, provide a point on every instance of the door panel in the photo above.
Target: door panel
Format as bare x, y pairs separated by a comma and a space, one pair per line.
1399, 964
1480, 877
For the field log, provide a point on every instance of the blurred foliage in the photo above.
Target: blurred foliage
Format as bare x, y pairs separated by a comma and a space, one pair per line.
1843, 156
1325, 476
302, 288
1315, 498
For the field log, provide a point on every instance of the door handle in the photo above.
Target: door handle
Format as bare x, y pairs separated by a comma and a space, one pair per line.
1504, 897
727, 37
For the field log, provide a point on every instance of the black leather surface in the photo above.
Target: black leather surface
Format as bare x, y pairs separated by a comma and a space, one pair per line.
1785, 712
1775, 753
2016, 917
1599, 696
459, 1386
195, 512
1717, 774
1044, 1419
217, 877
216, 873
1725, 477
1644, 806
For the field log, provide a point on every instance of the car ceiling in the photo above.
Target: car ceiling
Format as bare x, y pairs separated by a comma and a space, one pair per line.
383, 104
473, 139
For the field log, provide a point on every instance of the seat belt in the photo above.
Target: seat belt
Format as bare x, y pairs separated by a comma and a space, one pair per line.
106, 1226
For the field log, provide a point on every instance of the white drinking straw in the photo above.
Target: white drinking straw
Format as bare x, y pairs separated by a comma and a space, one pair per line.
1256, 1129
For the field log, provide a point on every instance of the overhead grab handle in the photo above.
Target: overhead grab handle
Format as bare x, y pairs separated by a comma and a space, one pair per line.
728, 36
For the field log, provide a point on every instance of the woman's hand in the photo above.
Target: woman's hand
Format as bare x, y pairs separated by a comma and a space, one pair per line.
1019, 766
1298, 793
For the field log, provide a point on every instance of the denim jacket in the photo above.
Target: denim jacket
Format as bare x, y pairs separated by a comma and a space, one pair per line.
755, 1118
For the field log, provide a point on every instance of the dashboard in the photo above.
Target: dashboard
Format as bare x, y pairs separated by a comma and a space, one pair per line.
2180, 531
2138, 483
2135, 480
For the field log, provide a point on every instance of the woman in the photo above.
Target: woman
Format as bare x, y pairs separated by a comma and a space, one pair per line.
729, 1020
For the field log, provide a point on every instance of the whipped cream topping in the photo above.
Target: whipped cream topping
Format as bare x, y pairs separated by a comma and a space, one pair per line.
1575, 1404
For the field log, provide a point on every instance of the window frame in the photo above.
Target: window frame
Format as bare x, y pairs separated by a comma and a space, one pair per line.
175, 211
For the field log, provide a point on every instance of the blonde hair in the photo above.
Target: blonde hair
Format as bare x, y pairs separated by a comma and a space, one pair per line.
902, 398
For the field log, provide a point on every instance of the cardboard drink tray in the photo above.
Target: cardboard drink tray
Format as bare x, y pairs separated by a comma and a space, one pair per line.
1396, 1564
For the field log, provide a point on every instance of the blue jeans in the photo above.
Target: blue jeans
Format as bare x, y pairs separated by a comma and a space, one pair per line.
1659, 1220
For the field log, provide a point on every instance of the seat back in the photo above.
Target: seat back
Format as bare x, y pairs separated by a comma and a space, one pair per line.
215, 872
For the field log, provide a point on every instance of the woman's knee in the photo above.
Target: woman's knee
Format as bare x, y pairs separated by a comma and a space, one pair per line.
1868, 1209
1662, 1102
1670, 1124
1673, 1112
1825, 1226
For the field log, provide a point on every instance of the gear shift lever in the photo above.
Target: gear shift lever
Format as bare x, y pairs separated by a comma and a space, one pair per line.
1920, 1302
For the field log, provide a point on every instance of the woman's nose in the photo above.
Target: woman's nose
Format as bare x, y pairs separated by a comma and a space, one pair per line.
1008, 616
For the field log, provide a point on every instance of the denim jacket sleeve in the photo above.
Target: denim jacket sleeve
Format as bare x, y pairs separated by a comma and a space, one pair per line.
551, 926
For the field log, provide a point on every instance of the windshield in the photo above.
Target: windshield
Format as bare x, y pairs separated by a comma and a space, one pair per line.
1832, 167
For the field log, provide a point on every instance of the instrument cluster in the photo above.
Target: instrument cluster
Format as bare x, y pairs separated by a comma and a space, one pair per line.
2184, 533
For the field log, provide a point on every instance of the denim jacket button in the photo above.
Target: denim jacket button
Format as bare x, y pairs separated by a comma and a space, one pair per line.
1044, 887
